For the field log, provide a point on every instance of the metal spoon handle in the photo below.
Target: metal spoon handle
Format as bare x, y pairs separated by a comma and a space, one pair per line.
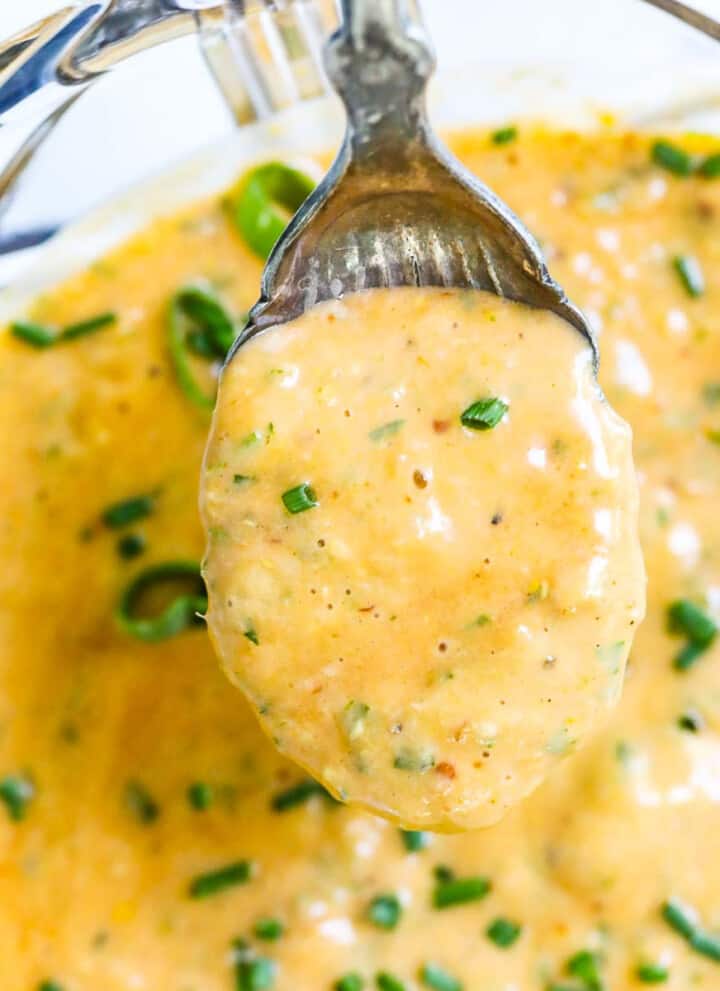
379, 62
689, 15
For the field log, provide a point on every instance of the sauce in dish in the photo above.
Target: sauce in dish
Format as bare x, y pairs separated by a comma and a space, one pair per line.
153, 839
423, 565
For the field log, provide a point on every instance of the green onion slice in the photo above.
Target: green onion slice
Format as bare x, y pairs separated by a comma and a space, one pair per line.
690, 274
205, 885
264, 200
300, 498
685, 923
127, 511
484, 414
671, 158
436, 977
504, 135
198, 324
182, 611
16, 793
459, 891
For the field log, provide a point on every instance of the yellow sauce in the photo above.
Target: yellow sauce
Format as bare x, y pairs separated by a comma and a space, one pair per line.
449, 611
94, 888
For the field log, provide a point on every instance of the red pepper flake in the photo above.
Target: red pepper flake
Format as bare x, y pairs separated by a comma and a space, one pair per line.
445, 768
440, 426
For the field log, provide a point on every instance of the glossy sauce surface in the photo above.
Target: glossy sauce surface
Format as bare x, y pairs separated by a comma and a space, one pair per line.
94, 885
449, 611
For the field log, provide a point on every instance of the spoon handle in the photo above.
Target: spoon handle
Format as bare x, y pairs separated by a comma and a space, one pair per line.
689, 15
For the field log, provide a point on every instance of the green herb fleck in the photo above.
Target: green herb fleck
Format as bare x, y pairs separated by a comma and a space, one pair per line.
684, 921
298, 794
504, 135
121, 514
689, 620
711, 393
130, 546
242, 479
690, 274
251, 635
652, 973
268, 929
252, 973
300, 498
385, 981
408, 759
436, 977
459, 891
349, 982
39, 336
671, 158
212, 883
690, 721
503, 932
183, 611
384, 911
586, 967
200, 795
386, 430
484, 414
49, 986
709, 168
141, 803
16, 793
415, 840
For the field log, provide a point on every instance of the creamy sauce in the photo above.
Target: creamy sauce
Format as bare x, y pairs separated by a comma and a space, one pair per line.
450, 611
94, 884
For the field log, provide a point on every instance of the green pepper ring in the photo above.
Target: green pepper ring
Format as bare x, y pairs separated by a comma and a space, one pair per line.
254, 206
192, 304
180, 614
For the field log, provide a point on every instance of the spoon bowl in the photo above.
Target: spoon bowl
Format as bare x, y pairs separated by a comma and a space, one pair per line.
396, 208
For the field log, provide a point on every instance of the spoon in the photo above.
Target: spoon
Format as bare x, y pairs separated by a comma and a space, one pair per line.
396, 208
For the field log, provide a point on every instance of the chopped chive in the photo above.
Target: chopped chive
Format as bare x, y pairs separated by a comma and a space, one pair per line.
443, 873
504, 135
40, 336
131, 546
436, 977
690, 274
198, 322
251, 635
216, 881
200, 795
249, 440
268, 929
414, 840
409, 759
484, 414
709, 168
671, 158
183, 612
386, 430
242, 479
349, 982
141, 803
16, 793
300, 498
385, 981
34, 334
585, 966
684, 922
121, 514
459, 891
384, 911
89, 326
690, 721
49, 986
298, 794
503, 932
652, 973
686, 618
252, 973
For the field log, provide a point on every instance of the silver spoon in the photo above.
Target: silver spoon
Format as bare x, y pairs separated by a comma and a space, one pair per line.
396, 208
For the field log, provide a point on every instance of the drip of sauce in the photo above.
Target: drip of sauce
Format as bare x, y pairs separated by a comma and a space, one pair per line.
438, 616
